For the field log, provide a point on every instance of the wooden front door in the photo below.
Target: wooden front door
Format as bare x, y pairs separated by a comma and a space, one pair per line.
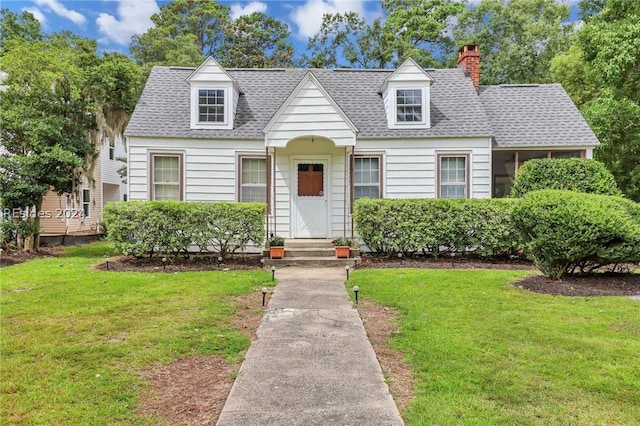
310, 199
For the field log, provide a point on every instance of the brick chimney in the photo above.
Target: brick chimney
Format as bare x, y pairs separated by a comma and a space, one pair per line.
469, 61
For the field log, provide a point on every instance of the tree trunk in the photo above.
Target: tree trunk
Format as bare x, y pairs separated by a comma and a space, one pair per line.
36, 236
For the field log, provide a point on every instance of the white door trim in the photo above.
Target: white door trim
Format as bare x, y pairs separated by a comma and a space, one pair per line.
295, 160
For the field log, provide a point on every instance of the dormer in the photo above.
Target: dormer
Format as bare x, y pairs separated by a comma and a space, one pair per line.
214, 96
406, 95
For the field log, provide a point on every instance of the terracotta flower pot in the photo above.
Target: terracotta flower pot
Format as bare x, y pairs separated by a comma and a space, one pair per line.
276, 252
343, 251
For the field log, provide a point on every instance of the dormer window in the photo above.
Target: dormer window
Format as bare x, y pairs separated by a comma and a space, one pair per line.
211, 106
409, 106
406, 95
214, 97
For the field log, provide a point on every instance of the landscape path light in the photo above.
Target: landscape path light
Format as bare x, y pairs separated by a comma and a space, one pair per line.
356, 289
107, 261
346, 268
264, 295
273, 273
164, 263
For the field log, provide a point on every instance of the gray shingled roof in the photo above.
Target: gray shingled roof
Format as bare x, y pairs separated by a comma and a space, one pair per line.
163, 107
535, 116
515, 115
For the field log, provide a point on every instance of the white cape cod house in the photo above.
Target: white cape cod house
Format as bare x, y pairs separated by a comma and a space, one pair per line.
309, 142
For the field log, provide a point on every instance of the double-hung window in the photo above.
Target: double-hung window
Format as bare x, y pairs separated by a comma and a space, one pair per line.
112, 149
211, 106
253, 179
166, 176
367, 177
409, 106
453, 179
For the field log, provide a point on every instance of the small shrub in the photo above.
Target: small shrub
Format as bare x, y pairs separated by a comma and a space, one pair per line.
276, 241
565, 230
342, 242
574, 174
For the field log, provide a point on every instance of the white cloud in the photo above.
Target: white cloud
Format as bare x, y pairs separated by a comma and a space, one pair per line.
37, 13
308, 17
134, 17
255, 6
59, 9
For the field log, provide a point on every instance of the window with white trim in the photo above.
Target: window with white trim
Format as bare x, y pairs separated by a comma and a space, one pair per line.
211, 108
112, 149
253, 179
453, 176
166, 177
409, 106
86, 202
366, 177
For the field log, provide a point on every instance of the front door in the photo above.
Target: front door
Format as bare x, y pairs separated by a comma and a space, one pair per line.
310, 199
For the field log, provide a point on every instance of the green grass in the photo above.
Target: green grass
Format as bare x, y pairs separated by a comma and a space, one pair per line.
484, 352
74, 340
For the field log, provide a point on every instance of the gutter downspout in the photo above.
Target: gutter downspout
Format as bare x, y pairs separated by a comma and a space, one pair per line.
268, 188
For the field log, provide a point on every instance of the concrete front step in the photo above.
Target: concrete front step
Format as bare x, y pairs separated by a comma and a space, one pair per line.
314, 243
311, 262
310, 253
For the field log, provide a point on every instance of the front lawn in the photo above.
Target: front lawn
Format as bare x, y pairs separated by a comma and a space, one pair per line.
485, 352
74, 339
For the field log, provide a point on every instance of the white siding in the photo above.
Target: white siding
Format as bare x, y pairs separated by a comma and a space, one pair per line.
409, 170
209, 166
109, 168
410, 165
309, 112
210, 70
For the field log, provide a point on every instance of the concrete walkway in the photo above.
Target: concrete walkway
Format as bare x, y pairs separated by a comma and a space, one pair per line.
312, 363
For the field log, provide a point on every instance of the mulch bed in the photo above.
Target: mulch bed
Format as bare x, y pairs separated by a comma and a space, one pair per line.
182, 264
373, 260
588, 285
13, 257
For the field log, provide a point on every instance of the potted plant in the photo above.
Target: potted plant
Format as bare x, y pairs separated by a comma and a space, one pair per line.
342, 246
276, 247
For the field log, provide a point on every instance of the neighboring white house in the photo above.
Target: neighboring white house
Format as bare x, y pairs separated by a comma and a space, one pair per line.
309, 142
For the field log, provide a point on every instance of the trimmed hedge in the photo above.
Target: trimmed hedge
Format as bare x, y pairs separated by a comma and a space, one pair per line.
434, 226
172, 227
565, 230
575, 174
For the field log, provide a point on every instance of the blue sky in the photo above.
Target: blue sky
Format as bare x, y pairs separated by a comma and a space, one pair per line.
113, 22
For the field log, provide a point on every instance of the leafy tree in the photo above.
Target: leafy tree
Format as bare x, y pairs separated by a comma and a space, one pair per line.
60, 100
204, 19
517, 38
24, 27
157, 47
418, 28
45, 118
256, 41
601, 73
350, 37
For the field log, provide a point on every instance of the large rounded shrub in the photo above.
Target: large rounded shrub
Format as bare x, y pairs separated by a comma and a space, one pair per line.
574, 174
565, 230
